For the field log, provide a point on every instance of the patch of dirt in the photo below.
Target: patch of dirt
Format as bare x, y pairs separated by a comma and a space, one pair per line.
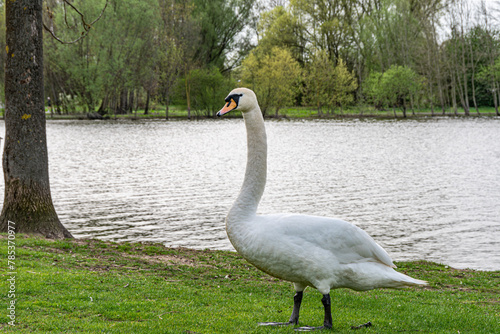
169, 260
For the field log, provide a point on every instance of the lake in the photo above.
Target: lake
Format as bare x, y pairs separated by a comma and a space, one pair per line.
424, 189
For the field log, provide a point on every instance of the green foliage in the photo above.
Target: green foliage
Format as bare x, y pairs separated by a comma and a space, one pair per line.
327, 25
274, 77
326, 84
101, 66
139, 49
371, 89
345, 83
490, 73
280, 28
220, 22
209, 87
398, 85
318, 80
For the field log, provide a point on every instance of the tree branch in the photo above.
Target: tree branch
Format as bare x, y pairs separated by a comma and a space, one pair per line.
86, 26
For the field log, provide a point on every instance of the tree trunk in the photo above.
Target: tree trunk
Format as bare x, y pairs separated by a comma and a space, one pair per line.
441, 94
454, 94
146, 108
496, 99
495, 103
465, 99
130, 106
103, 106
188, 95
473, 78
412, 107
27, 200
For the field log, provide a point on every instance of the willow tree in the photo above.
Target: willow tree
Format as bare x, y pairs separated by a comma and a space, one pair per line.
27, 201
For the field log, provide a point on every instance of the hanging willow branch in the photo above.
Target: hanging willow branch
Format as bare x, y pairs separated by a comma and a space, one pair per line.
86, 26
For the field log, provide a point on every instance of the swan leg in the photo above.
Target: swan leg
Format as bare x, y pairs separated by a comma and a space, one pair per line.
294, 318
327, 304
297, 300
328, 322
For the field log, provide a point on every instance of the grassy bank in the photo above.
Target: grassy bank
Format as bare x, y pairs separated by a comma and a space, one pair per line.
91, 286
179, 112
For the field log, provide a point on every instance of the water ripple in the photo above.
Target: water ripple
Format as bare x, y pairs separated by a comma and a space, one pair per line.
423, 189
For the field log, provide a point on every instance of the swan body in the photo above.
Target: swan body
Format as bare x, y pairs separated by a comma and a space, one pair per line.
320, 252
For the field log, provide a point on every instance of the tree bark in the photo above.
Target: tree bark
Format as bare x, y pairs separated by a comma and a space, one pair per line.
146, 108
454, 93
167, 103
27, 200
496, 98
188, 93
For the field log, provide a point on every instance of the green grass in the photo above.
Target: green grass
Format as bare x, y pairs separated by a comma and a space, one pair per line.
369, 111
179, 112
92, 286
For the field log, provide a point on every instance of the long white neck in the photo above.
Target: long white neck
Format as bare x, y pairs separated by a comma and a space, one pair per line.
245, 206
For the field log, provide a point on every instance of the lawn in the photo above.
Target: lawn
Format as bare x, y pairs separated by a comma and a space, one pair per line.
92, 286
180, 112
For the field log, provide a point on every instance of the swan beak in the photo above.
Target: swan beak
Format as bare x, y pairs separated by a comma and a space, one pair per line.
231, 105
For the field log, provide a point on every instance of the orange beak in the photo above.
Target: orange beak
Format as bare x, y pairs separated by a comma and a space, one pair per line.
231, 105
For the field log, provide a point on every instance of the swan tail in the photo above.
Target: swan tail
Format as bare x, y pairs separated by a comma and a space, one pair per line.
405, 281
376, 275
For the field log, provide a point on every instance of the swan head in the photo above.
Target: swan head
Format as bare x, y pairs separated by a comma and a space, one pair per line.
242, 99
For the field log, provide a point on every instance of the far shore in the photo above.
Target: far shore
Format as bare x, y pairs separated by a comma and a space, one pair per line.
180, 113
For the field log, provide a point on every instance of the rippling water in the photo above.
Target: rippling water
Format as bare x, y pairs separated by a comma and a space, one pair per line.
424, 189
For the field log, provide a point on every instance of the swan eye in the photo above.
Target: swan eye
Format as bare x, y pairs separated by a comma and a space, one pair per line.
234, 97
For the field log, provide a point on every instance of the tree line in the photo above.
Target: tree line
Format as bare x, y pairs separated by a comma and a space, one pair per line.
324, 54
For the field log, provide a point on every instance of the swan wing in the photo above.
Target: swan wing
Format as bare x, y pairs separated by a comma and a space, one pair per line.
347, 242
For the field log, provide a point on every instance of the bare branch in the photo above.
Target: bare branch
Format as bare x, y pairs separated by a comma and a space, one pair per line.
66, 16
86, 26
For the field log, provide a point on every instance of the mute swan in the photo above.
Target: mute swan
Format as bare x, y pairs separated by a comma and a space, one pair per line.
323, 253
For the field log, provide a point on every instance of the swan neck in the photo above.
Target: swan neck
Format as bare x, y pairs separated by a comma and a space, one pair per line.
247, 202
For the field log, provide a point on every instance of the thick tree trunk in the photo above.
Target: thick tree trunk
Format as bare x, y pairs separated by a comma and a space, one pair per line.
27, 200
